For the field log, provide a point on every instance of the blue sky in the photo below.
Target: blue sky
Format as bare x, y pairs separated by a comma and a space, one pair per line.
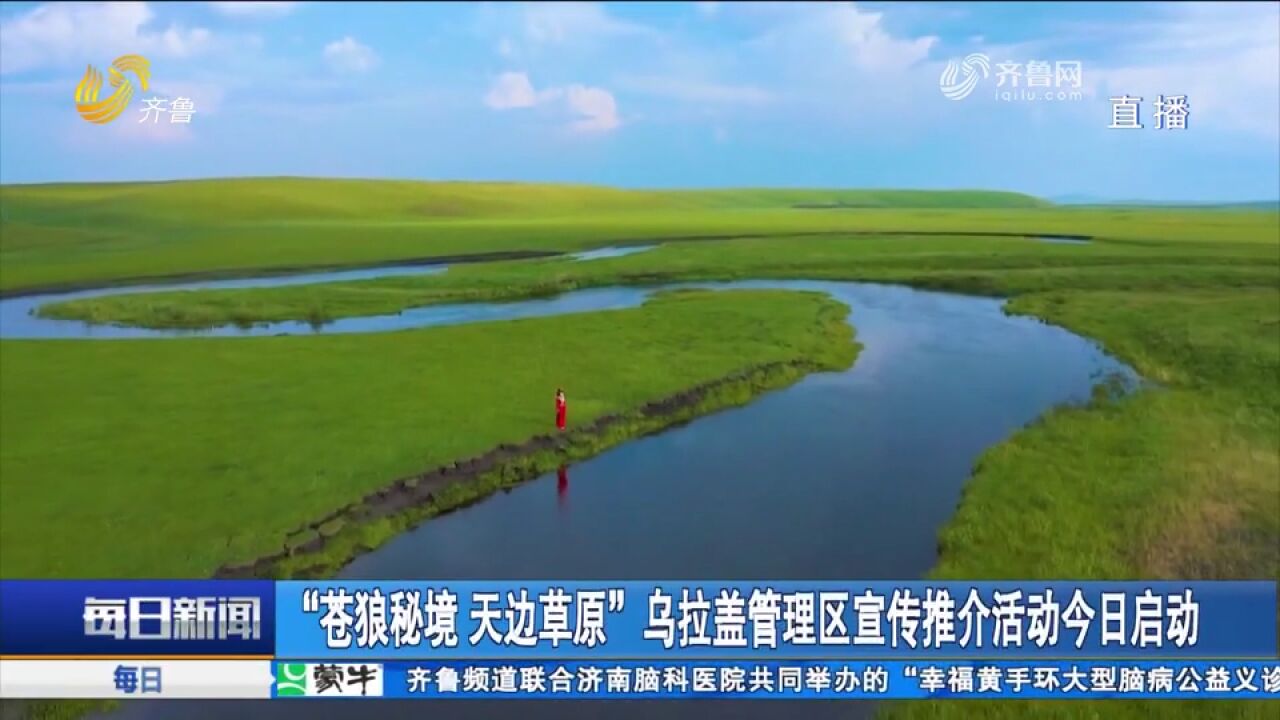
654, 94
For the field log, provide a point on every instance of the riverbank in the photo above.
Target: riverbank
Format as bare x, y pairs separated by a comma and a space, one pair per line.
223, 446
323, 546
1175, 482
270, 271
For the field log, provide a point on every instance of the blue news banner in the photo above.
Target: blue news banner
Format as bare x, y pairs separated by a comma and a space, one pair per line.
673, 639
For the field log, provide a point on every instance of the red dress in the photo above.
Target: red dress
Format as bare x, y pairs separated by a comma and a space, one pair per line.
561, 411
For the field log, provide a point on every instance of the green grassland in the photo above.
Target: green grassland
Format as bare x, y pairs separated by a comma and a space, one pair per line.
56, 235
1179, 480
69, 233
974, 264
171, 457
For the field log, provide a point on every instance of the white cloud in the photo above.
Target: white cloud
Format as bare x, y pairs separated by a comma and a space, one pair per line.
1220, 93
125, 135
557, 30
206, 96
827, 66
871, 46
128, 128
511, 90
698, 91
596, 109
254, 9
559, 23
591, 109
348, 55
1224, 57
77, 33
858, 37
708, 9
800, 59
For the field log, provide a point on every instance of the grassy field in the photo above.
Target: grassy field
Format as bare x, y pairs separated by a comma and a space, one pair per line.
1201, 452
68, 234
221, 447
974, 264
1181, 480
59, 235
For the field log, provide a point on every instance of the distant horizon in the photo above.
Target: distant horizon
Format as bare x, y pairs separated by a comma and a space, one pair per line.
1061, 199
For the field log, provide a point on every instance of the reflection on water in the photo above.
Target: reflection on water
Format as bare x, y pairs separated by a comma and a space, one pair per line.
611, 252
1063, 240
562, 486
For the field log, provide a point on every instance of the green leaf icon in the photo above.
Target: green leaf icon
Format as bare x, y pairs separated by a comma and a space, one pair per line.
291, 679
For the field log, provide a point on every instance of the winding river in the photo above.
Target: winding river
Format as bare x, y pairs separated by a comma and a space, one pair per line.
18, 318
843, 474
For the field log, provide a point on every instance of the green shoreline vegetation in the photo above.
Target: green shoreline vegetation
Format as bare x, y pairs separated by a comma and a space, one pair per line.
963, 263
1178, 480
222, 446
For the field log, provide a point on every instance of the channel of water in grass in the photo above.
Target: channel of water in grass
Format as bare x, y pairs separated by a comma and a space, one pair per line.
842, 475
1062, 240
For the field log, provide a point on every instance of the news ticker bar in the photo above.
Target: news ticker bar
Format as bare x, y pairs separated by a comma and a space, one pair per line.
626, 620
125, 679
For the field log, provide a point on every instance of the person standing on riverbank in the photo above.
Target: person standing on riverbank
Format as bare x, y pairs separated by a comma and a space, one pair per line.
562, 410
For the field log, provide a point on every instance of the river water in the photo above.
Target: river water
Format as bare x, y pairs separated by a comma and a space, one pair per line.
18, 318
843, 475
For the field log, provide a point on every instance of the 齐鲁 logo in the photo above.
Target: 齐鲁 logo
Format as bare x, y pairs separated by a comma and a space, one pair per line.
104, 111
960, 77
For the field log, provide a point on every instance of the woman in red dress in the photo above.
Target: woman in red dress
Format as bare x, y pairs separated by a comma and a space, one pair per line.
561, 410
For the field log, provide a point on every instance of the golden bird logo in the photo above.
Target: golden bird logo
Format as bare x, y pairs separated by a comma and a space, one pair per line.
101, 112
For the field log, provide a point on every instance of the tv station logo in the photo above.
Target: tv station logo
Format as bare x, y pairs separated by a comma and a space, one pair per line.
102, 111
